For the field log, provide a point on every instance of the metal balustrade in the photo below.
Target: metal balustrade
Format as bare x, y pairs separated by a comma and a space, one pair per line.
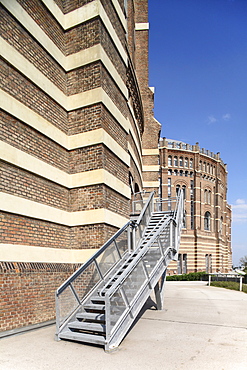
100, 301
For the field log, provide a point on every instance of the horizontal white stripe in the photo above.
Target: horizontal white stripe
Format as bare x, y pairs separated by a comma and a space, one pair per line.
29, 163
150, 151
71, 19
62, 18
141, 26
151, 168
72, 61
151, 184
27, 253
28, 208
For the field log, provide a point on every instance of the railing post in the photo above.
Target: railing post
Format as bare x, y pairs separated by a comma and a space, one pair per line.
209, 280
241, 283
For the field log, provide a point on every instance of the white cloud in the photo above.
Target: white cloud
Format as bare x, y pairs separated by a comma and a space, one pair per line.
239, 211
226, 117
212, 119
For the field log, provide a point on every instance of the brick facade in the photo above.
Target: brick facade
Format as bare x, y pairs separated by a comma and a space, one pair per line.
206, 236
71, 128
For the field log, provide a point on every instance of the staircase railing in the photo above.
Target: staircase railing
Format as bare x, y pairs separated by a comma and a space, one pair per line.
71, 294
126, 296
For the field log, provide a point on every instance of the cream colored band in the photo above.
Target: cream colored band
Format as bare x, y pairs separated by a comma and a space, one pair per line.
21, 206
32, 164
26, 253
83, 14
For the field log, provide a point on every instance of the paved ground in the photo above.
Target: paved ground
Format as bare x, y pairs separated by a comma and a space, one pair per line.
202, 328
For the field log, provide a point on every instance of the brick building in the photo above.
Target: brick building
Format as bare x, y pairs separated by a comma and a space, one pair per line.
201, 174
74, 90
78, 138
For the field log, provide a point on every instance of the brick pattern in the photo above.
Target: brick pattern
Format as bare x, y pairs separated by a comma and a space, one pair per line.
23, 184
38, 12
28, 292
83, 36
18, 86
96, 197
32, 142
84, 78
91, 236
26, 45
69, 5
112, 52
112, 15
85, 119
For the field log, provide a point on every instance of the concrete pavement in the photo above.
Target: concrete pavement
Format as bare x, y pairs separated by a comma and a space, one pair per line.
200, 327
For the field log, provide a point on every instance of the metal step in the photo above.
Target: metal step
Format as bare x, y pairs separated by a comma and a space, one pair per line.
86, 326
81, 337
95, 307
91, 316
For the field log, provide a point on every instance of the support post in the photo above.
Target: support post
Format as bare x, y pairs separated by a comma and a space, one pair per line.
241, 283
159, 291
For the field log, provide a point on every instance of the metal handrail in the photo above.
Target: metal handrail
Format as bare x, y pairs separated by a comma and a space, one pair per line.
91, 260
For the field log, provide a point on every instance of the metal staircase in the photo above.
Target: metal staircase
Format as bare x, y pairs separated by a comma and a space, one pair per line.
100, 301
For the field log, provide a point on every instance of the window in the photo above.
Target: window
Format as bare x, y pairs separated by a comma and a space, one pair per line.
169, 187
205, 196
186, 162
204, 166
177, 189
184, 191
181, 172
169, 160
192, 204
175, 161
184, 220
186, 173
209, 197
175, 172
221, 225
169, 172
181, 161
207, 219
208, 168
200, 165
184, 264
191, 163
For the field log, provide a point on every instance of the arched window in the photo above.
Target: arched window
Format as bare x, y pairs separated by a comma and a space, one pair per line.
184, 191
169, 160
184, 220
209, 197
207, 219
186, 162
200, 165
169, 172
191, 174
175, 172
221, 225
204, 166
177, 189
208, 168
191, 163
205, 196
186, 173
175, 161
181, 172
181, 160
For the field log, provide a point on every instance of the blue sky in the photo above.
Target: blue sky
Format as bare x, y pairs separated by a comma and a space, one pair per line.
198, 66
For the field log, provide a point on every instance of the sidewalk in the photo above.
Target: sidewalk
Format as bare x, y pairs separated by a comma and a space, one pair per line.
200, 327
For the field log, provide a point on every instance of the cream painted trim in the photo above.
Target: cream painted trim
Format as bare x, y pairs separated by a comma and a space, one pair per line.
73, 18
150, 151
86, 98
151, 184
28, 253
132, 154
150, 168
28, 208
29, 70
141, 26
29, 163
62, 18
69, 62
